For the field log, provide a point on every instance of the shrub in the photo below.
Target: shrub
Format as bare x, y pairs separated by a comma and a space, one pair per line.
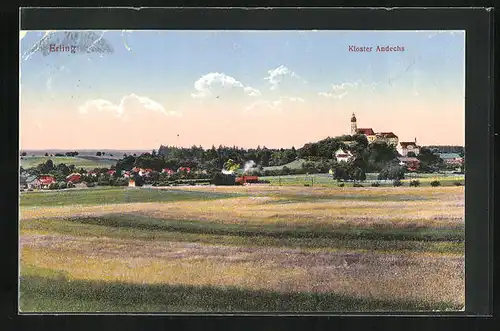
90, 184
61, 185
435, 183
415, 183
70, 185
357, 185
375, 184
53, 186
397, 182
341, 185
222, 179
458, 183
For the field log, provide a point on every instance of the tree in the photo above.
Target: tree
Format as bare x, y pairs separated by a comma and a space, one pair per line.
429, 161
230, 165
23, 154
46, 154
98, 154
63, 168
392, 171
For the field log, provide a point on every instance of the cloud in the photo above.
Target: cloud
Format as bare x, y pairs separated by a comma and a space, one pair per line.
276, 105
130, 104
282, 75
447, 32
216, 85
339, 91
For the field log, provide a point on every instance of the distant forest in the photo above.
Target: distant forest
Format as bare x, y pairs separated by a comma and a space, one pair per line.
447, 149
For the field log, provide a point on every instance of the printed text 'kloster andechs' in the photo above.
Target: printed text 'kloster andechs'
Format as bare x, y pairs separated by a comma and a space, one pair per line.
353, 48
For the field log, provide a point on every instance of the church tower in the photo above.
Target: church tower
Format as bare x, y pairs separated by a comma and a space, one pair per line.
354, 125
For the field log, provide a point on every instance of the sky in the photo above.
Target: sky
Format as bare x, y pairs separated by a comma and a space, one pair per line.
140, 89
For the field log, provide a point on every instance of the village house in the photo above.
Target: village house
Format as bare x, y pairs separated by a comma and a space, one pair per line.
406, 148
186, 169
412, 163
29, 182
46, 180
92, 173
388, 137
343, 156
168, 171
74, 178
451, 159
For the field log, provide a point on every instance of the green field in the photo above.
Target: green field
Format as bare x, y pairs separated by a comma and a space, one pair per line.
78, 162
252, 248
327, 180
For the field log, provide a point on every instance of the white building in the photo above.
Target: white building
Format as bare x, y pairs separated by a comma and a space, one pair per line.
343, 156
408, 147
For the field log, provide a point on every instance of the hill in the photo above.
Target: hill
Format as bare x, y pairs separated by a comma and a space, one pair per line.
86, 162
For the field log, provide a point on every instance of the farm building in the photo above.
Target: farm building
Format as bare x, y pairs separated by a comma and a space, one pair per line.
46, 180
247, 179
74, 177
131, 183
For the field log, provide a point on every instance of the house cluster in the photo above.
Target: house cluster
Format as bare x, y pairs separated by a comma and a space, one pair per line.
31, 182
408, 150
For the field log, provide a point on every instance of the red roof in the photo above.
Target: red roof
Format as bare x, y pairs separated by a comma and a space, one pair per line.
407, 143
247, 179
111, 172
148, 170
136, 169
368, 131
185, 169
169, 171
388, 134
46, 180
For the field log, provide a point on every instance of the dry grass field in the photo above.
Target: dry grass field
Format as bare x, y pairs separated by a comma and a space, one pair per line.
251, 248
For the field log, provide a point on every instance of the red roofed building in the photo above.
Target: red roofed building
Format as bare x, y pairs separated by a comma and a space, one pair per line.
168, 171
366, 132
388, 137
186, 169
411, 162
111, 172
246, 179
74, 178
409, 147
135, 169
46, 180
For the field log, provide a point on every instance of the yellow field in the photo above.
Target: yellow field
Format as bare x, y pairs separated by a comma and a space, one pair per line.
385, 247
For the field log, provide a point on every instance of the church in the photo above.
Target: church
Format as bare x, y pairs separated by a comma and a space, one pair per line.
388, 137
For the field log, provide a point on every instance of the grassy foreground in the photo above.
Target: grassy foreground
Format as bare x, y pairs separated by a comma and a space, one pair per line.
256, 248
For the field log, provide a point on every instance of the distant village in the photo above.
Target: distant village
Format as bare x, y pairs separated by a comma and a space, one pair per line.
408, 150
43, 177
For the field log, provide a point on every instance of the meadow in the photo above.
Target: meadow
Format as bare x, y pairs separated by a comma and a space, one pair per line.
86, 162
250, 248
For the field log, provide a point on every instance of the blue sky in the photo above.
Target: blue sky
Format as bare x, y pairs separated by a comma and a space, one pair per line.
164, 66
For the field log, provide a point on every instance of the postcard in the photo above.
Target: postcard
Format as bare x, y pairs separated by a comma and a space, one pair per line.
222, 171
